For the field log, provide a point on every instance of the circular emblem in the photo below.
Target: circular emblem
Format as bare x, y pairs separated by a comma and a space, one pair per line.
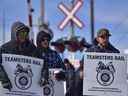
105, 77
48, 90
23, 81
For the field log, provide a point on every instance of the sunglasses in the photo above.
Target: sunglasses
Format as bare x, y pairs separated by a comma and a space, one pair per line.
45, 39
104, 37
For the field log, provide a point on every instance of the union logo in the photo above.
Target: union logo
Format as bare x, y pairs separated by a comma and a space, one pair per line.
23, 77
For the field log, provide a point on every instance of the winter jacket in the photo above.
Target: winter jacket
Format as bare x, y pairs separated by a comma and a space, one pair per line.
78, 87
96, 48
14, 47
70, 81
52, 57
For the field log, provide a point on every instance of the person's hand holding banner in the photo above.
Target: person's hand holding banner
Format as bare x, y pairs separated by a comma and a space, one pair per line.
6, 83
23, 73
43, 82
60, 75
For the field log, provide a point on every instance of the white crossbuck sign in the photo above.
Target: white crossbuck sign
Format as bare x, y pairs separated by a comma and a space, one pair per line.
70, 14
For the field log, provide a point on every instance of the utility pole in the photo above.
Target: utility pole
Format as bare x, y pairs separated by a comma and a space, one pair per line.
71, 22
42, 10
30, 11
42, 14
3, 25
92, 20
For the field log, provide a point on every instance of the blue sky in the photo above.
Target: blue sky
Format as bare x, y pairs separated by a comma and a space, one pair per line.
111, 14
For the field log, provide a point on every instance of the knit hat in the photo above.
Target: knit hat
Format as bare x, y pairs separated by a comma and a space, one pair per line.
18, 27
46, 31
43, 33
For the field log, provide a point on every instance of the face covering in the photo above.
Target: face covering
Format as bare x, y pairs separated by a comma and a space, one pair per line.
23, 34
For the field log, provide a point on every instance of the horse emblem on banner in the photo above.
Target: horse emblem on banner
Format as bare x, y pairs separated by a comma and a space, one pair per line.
105, 73
23, 77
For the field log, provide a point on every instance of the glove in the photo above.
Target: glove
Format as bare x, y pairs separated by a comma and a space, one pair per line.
7, 85
43, 82
60, 75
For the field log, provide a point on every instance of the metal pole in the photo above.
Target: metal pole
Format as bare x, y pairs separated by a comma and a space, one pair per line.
42, 14
72, 29
71, 22
30, 10
3, 26
42, 10
92, 19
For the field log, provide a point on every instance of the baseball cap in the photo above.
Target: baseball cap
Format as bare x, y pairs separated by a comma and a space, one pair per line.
103, 32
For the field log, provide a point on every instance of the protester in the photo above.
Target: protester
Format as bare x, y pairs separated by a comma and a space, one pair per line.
84, 45
19, 44
51, 58
102, 44
78, 88
72, 44
59, 45
70, 80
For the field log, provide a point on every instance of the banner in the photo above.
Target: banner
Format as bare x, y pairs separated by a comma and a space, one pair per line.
24, 73
54, 87
105, 74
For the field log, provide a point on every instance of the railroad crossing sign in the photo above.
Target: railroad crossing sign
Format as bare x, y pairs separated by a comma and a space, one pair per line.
70, 13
